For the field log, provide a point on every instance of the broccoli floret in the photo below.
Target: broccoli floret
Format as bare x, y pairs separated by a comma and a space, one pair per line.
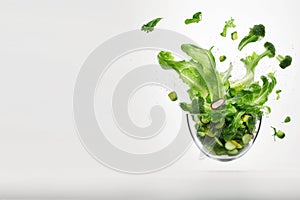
250, 64
252, 61
270, 50
256, 33
284, 61
228, 24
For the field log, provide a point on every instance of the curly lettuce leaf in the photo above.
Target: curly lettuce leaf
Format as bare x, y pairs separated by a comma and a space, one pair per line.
197, 17
187, 71
205, 64
149, 27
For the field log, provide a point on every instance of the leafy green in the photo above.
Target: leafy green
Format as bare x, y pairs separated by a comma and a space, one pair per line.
204, 61
226, 112
187, 71
197, 17
244, 102
199, 73
149, 27
228, 24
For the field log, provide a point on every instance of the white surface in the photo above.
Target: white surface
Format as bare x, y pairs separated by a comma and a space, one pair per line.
42, 47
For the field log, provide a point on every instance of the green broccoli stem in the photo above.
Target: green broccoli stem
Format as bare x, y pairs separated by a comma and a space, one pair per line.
280, 58
285, 61
245, 41
261, 56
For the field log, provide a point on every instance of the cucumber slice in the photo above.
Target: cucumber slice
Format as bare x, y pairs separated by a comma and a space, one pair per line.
201, 134
209, 133
219, 150
229, 146
236, 144
246, 138
233, 152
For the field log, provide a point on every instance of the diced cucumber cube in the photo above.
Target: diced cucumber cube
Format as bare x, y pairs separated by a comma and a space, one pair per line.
173, 96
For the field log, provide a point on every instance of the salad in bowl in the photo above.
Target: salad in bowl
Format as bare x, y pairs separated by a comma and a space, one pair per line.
225, 115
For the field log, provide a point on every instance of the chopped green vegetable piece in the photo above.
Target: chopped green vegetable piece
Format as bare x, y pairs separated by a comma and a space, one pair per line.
246, 138
209, 134
204, 120
173, 96
228, 24
197, 17
229, 146
278, 94
280, 134
222, 58
234, 35
219, 142
255, 34
233, 152
284, 61
149, 27
201, 134
219, 150
246, 118
236, 144
287, 119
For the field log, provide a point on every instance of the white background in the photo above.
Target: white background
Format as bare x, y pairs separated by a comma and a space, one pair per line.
42, 47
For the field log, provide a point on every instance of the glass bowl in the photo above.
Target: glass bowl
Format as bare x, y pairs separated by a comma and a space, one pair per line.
209, 145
